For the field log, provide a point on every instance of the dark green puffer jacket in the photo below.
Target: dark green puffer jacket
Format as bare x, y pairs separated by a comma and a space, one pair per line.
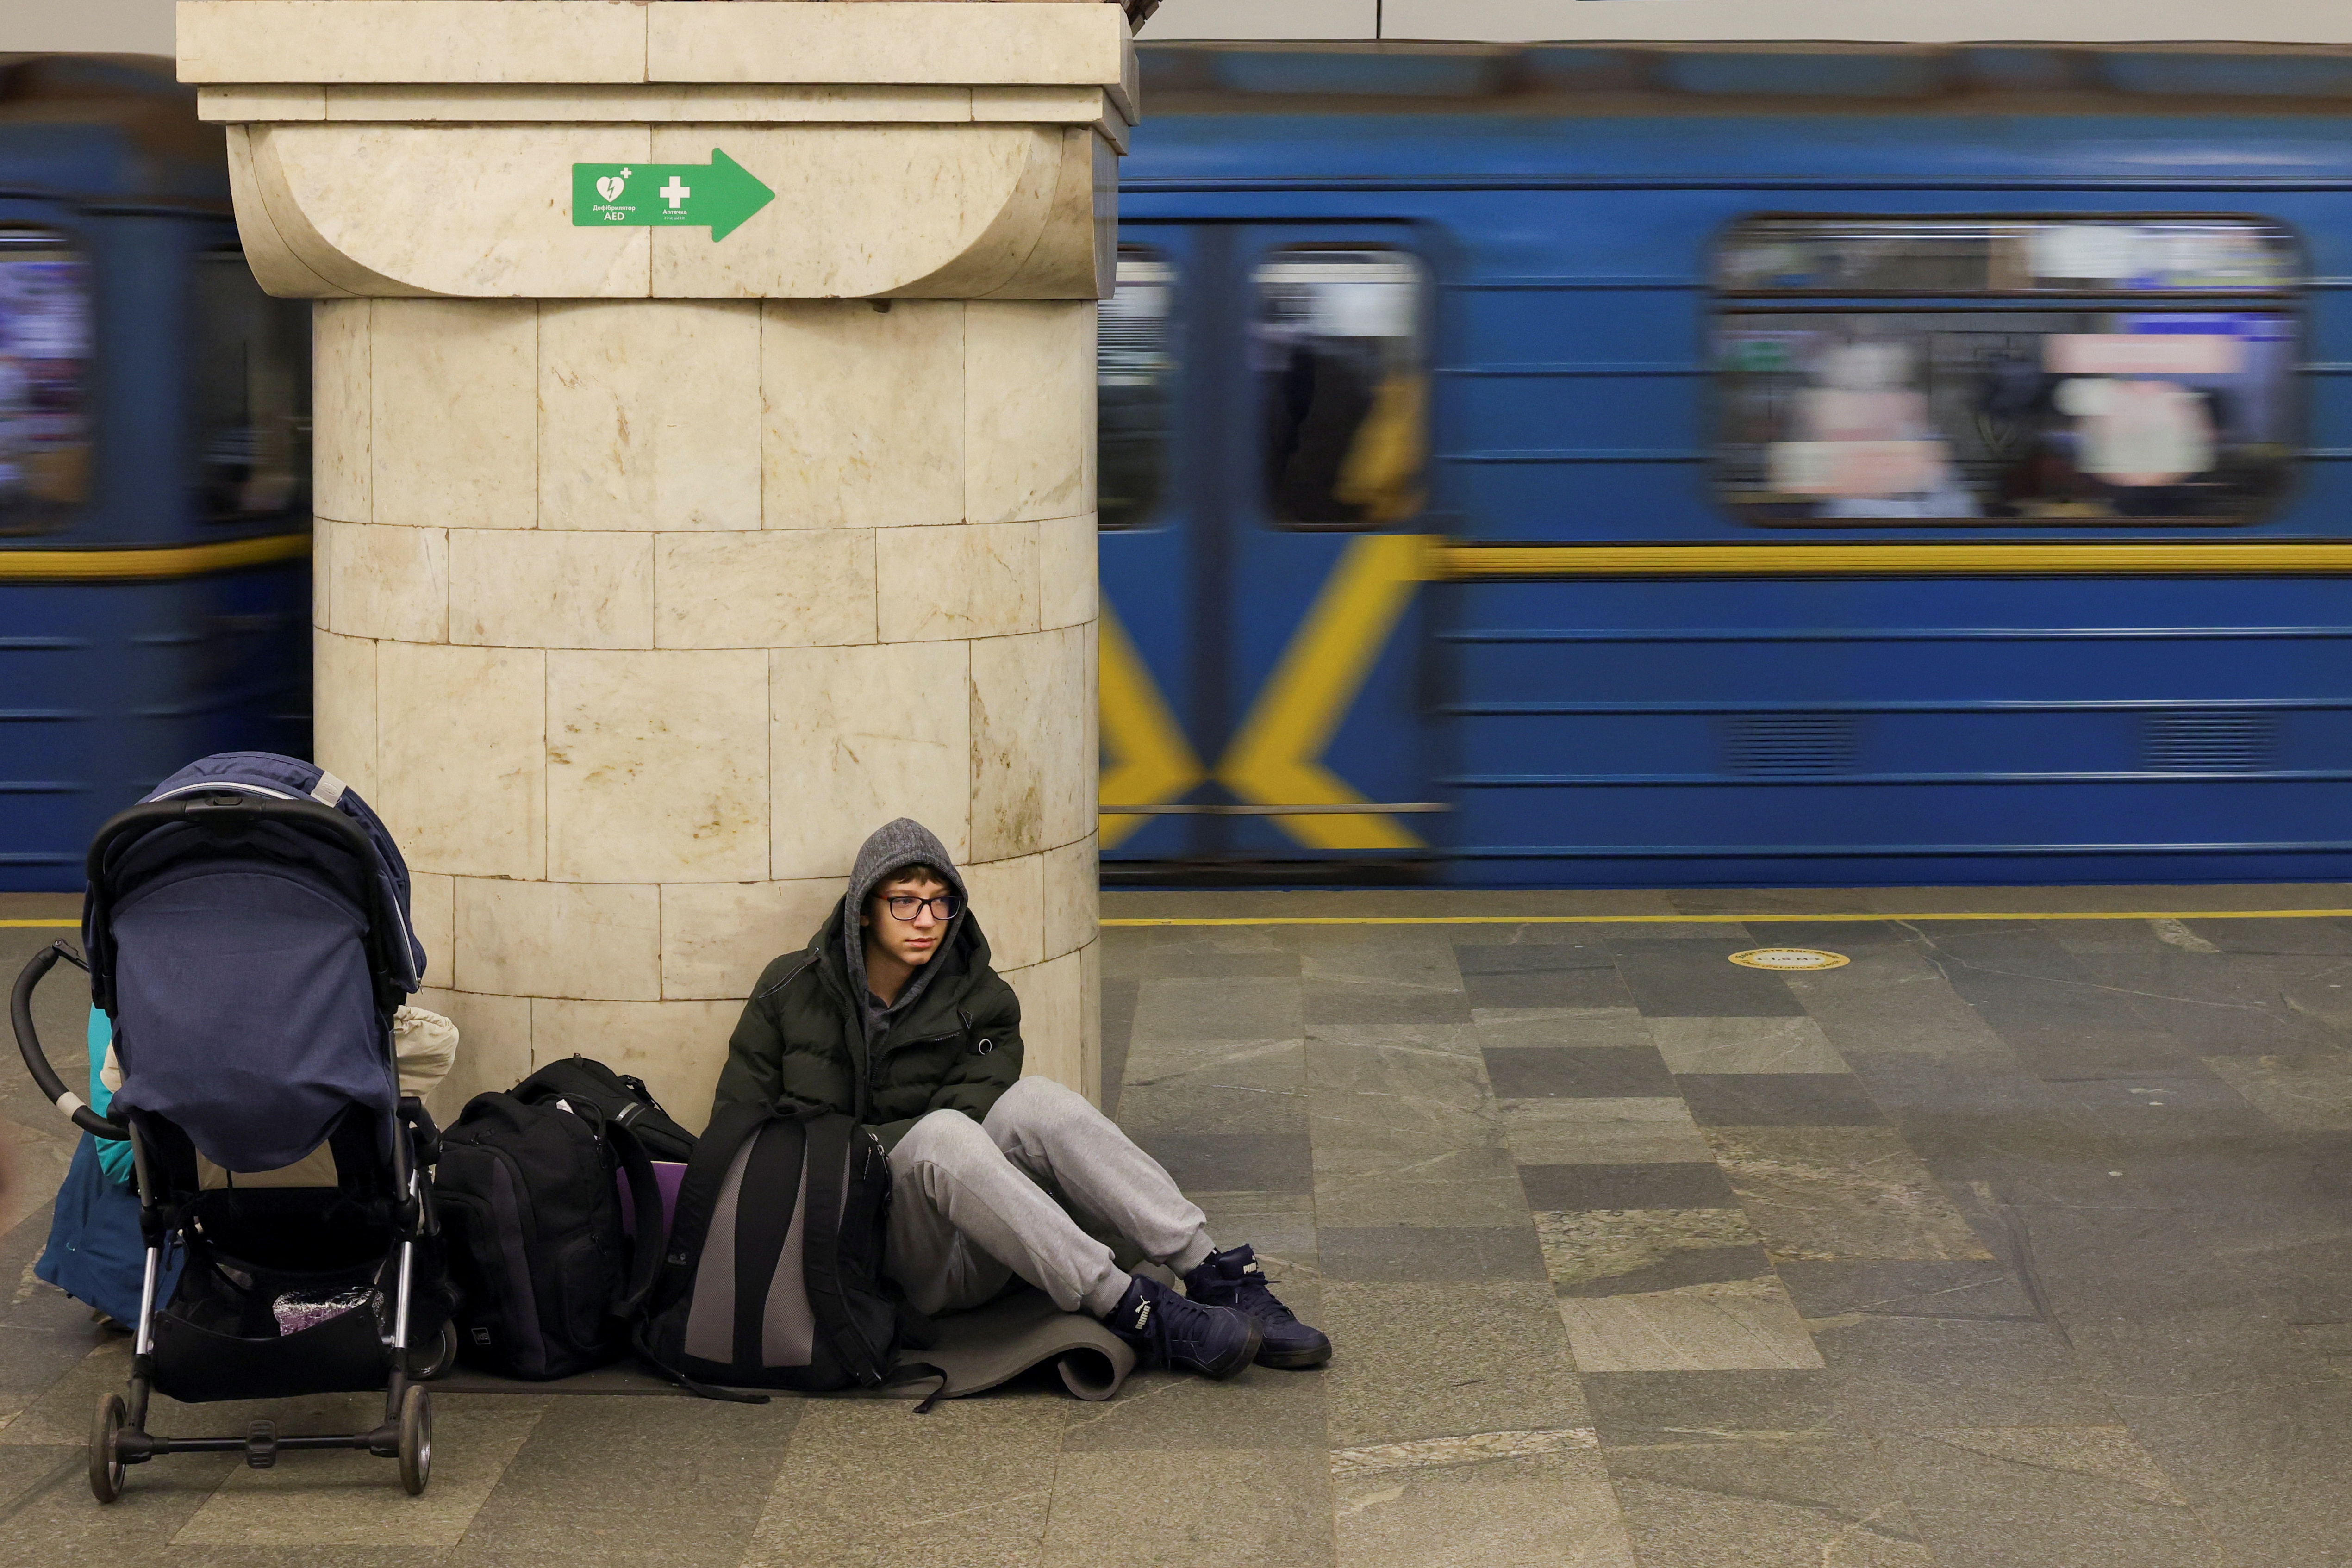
955, 1045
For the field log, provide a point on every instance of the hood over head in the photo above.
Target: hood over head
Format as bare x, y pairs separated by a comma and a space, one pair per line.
891, 848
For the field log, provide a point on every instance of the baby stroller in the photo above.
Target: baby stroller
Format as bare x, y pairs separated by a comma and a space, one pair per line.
247, 930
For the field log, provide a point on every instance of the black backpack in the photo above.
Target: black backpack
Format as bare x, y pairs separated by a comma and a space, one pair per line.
624, 1100
547, 1283
773, 1276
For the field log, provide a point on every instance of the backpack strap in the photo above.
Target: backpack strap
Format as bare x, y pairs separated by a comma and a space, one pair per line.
830, 1149
762, 1226
645, 1194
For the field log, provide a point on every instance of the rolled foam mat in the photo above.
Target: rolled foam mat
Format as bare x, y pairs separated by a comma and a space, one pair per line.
990, 1345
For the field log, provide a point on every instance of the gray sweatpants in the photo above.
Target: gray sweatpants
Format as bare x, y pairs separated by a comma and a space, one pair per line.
974, 1203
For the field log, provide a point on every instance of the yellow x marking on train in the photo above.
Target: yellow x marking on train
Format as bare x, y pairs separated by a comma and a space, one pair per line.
1275, 758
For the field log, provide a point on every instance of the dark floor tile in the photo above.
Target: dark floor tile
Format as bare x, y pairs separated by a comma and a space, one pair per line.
1531, 958
2329, 937
1776, 1100
2062, 1021
1680, 1185
1631, 1407
1234, 1162
1881, 1289
1577, 1072
2086, 1497
1904, 1373
1429, 1252
1836, 936
2224, 1004
1118, 1003
1676, 1271
1548, 989
1370, 1004
1696, 979
1197, 963
1764, 1504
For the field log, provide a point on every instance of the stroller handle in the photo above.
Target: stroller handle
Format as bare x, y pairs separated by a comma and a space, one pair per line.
37, 1060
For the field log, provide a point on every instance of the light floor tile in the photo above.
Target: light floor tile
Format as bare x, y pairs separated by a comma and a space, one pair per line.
1745, 1045
1740, 1325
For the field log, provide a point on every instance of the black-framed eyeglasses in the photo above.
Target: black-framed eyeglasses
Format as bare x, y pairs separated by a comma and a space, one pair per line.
907, 906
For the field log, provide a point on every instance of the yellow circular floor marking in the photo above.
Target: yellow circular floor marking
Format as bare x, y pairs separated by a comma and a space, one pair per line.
1788, 959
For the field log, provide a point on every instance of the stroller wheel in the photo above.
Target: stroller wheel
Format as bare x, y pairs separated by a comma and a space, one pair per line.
105, 1469
426, 1366
415, 1440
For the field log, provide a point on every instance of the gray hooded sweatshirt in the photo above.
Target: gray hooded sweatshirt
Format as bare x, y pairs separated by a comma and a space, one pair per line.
891, 848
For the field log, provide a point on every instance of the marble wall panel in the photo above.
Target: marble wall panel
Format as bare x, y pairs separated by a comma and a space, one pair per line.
1090, 1022
461, 757
386, 582
1067, 572
1029, 772
784, 588
649, 415
589, 940
432, 919
455, 411
1073, 896
716, 937
544, 589
863, 417
423, 40
340, 466
1029, 391
493, 1047
496, 224
1052, 1021
704, 103
677, 1048
1009, 899
1028, 46
971, 580
861, 736
658, 766
859, 210
343, 708
322, 612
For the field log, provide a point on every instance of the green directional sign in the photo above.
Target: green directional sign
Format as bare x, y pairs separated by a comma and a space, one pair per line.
718, 195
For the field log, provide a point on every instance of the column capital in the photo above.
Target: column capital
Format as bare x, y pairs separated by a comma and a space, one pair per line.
893, 149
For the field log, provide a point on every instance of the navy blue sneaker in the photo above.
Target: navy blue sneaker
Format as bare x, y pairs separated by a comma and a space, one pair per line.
1169, 1331
1232, 1279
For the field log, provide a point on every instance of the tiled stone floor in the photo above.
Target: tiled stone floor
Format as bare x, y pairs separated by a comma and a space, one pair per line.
2017, 1241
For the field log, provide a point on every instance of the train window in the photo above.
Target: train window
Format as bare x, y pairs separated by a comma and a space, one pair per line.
45, 352
249, 394
1135, 369
1338, 354
2065, 371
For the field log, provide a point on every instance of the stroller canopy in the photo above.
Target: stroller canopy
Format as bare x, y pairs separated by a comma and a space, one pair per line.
251, 970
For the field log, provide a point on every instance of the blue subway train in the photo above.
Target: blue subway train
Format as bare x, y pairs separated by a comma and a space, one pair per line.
1571, 467
154, 461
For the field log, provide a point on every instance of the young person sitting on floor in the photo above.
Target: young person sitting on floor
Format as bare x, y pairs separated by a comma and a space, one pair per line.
891, 1014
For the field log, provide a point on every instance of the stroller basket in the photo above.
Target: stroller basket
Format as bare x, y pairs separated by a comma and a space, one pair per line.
287, 1290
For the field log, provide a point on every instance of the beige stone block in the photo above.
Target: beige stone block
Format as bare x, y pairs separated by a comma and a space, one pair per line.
461, 757
339, 410
860, 735
649, 415
247, 105
1068, 574
590, 940
1073, 896
1038, 105
677, 1048
245, 41
1028, 394
783, 588
1052, 1021
888, 41
1075, 228
322, 578
388, 582
541, 589
764, 103
859, 210
455, 410
343, 708
275, 265
992, 260
493, 1047
658, 766
432, 919
716, 937
863, 413
969, 580
1009, 899
500, 224
1029, 774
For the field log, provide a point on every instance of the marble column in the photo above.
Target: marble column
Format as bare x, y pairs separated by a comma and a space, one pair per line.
653, 571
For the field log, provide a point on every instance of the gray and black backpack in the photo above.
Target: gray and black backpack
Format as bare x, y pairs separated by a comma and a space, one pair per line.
773, 1274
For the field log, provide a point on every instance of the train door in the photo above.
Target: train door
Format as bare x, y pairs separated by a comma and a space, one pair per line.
1264, 416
